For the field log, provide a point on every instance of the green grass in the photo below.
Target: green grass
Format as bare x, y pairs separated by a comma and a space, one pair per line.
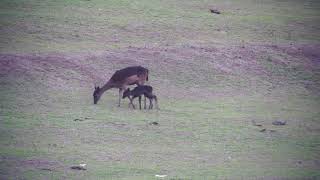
195, 139
77, 25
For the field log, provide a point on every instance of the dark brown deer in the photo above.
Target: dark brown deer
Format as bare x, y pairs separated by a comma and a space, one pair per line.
138, 92
121, 79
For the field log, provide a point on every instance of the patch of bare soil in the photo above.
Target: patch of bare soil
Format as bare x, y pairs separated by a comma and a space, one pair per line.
39, 164
35, 163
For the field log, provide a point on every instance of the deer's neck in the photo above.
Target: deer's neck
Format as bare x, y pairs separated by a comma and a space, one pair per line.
105, 87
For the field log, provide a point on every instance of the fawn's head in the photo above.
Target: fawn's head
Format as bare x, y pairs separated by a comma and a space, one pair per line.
126, 93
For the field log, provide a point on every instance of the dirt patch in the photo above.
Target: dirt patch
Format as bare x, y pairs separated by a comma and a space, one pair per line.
34, 163
194, 67
39, 163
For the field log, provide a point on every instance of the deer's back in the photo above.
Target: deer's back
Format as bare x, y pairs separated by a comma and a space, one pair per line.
122, 74
142, 89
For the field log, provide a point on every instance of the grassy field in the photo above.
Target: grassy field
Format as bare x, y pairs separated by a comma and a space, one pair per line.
214, 75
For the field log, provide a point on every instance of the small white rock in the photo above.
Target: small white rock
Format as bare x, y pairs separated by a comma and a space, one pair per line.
160, 176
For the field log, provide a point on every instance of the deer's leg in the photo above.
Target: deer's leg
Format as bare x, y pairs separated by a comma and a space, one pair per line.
120, 94
134, 107
150, 105
156, 100
132, 103
140, 102
149, 96
145, 103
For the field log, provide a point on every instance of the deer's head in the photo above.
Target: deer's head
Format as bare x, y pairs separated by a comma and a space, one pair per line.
126, 93
96, 94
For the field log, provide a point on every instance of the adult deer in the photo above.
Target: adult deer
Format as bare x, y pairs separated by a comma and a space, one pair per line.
121, 79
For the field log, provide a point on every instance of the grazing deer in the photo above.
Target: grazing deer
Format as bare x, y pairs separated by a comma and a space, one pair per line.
138, 92
121, 79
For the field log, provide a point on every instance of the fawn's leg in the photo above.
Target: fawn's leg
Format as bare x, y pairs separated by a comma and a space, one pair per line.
149, 96
145, 103
150, 103
140, 102
131, 101
156, 99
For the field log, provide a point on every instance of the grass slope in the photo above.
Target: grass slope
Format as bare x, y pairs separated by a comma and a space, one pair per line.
80, 25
